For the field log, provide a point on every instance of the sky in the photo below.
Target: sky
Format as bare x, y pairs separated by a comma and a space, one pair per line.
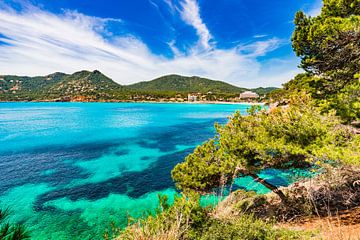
246, 43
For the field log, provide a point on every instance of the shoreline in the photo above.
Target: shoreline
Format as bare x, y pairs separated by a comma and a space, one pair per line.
164, 102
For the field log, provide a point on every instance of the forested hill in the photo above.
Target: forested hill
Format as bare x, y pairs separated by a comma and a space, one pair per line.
186, 84
92, 86
192, 84
84, 85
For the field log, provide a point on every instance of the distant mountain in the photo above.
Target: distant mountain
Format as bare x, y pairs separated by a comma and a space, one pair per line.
28, 84
59, 86
84, 82
95, 86
263, 91
179, 83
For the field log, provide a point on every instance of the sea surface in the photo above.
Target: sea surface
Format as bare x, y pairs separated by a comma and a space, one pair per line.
67, 170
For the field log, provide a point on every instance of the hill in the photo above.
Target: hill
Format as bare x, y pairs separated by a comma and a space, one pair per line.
58, 86
95, 86
29, 84
263, 91
84, 82
179, 83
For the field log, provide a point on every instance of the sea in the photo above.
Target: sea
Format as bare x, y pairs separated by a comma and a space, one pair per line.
73, 170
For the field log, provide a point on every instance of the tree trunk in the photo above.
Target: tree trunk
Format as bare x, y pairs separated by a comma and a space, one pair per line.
268, 185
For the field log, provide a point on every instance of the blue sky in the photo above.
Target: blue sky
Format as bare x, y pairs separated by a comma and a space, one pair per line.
243, 42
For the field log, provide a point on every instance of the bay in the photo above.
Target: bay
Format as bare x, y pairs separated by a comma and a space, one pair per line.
69, 169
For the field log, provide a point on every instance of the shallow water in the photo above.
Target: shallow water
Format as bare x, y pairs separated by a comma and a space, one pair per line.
68, 169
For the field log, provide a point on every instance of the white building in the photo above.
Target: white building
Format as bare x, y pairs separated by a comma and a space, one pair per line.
192, 97
248, 95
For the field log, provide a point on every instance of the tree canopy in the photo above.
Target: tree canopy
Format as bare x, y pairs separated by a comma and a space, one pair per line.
11, 231
329, 48
293, 136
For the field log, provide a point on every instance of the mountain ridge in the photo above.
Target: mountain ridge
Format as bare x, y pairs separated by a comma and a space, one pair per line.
175, 82
94, 85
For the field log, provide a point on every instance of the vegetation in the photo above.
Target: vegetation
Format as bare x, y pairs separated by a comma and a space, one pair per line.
192, 84
295, 136
186, 219
310, 126
60, 87
94, 86
186, 84
9, 231
329, 48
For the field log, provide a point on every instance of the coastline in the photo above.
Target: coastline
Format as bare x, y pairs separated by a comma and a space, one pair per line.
160, 102
157, 102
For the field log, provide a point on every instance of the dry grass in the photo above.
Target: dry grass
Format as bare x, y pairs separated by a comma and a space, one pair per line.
344, 226
328, 204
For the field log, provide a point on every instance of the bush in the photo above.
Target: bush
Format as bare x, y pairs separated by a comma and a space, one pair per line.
11, 231
246, 227
180, 221
296, 135
186, 220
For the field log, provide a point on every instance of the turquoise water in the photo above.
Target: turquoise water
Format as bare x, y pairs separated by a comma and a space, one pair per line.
68, 169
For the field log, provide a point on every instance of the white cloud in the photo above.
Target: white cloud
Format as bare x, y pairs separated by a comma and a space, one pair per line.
315, 9
38, 43
190, 13
260, 36
260, 48
275, 72
170, 5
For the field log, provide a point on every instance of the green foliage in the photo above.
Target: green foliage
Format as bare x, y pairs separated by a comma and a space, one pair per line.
246, 227
346, 102
203, 169
59, 86
94, 86
341, 8
263, 91
10, 231
187, 220
186, 84
329, 47
180, 221
282, 138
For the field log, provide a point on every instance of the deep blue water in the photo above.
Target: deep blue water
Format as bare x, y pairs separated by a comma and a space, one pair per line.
68, 169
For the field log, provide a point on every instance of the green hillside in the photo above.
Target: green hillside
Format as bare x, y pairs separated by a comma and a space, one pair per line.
95, 86
84, 82
58, 86
186, 84
179, 83
263, 91
30, 84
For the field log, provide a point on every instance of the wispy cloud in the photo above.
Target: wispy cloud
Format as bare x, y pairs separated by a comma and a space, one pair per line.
260, 48
190, 13
315, 9
170, 5
260, 36
38, 42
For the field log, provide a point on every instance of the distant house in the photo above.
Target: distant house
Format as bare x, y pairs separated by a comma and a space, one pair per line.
14, 88
248, 95
192, 97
